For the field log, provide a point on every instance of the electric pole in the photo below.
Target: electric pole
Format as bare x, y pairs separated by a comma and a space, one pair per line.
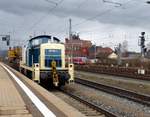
70, 29
70, 38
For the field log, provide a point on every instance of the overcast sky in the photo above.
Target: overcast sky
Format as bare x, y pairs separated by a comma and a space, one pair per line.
104, 23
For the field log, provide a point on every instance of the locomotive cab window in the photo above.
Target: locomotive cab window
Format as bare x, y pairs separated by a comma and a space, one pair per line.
53, 54
39, 41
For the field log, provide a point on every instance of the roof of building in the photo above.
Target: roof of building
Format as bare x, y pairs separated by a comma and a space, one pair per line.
104, 50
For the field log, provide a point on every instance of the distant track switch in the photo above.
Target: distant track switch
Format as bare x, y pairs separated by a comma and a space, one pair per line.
54, 73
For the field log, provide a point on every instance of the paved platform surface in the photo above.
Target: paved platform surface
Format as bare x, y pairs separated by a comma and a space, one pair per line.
11, 103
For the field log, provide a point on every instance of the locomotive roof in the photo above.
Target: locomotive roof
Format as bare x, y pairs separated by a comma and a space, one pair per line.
45, 36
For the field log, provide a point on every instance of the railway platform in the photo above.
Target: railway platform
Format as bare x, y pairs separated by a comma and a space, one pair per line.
11, 103
21, 97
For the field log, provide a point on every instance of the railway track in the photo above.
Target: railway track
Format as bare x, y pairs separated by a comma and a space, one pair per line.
116, 71
84, 106
140, 98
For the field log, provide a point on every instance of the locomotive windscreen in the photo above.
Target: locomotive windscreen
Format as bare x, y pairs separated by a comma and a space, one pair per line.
53, 54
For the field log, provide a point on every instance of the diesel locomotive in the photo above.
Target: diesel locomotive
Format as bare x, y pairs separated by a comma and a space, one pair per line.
43, 60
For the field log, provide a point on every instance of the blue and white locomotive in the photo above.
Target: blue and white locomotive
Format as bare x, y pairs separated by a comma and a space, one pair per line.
43, 60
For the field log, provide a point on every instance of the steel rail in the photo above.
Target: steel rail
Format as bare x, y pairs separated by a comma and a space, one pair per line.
90, 104
131, 95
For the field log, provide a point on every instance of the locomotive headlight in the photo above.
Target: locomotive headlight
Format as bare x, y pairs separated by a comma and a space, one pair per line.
70, 66
37, 65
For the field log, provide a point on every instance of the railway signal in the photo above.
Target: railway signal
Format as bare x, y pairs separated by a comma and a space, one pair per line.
142, 44
6, 38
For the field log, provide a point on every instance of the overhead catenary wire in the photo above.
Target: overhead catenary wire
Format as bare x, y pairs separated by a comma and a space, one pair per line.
44, 16
98, 15
112, 2
92, 18
82, 3
52, 2
82, 22
38, 21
